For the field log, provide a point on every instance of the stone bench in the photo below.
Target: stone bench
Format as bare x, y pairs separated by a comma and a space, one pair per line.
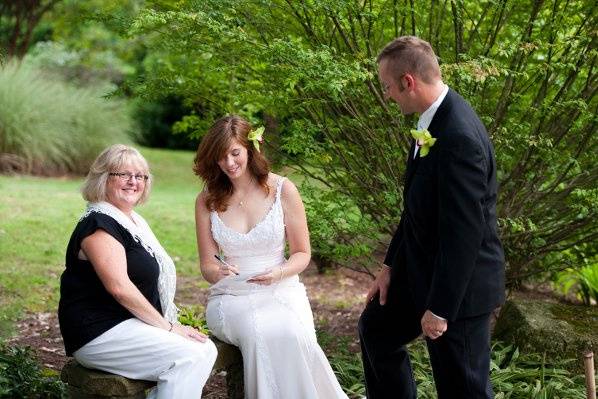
84, 383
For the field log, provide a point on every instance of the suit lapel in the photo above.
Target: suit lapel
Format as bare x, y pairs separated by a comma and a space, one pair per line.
411, 166
434, 129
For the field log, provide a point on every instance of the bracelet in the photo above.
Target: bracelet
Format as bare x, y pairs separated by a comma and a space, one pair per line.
280, 279
171, 326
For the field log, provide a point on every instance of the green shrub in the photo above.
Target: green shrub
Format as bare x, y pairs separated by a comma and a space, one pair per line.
22, 377
334, 220
582, 282
513, 375
345, 363
156, 119
530, 376
528, 68
78, 66
50, 127
193, 316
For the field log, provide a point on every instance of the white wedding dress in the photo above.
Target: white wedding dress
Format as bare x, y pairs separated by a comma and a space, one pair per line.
272, 325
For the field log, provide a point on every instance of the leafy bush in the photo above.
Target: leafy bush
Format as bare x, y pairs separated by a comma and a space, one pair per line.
22, 377
103, 70
581, 282
345, 363
513, 375
57, 61
193, 316
334, 221
527, 67
21, 23
530, 376
49, 127
156, 119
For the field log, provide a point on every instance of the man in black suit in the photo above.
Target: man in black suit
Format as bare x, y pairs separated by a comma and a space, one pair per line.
444, 270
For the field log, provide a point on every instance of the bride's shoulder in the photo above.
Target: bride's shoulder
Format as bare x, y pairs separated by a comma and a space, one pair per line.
274, 180
201, 200
288, 191
203, 195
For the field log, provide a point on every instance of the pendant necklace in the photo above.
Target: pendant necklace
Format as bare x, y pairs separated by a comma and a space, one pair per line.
243, 201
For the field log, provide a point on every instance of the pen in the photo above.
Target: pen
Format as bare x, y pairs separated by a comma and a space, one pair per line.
224, 263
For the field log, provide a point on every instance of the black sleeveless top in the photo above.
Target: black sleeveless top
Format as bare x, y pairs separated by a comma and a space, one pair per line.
86, 309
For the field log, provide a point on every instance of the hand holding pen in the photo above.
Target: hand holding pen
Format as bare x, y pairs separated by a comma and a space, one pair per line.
225, 268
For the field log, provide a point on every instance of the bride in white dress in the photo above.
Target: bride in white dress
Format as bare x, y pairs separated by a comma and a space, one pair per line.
256, 300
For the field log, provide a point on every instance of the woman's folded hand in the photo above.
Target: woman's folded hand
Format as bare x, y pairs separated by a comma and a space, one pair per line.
189, 333
268, 277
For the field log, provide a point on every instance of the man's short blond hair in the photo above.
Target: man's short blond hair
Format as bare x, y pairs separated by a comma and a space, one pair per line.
410, 54
112, 160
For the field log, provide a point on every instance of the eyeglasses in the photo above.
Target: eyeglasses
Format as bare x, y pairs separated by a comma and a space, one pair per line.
126, 176
385, 87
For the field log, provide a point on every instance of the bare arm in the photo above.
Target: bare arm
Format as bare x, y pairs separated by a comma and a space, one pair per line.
211, 270
297, 237
109, 261
296, 229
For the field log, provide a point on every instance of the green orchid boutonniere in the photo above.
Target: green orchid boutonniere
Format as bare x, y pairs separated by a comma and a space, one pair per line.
424, 140
256, 136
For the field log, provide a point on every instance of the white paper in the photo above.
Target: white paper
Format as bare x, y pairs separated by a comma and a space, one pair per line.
236, 283
245, 276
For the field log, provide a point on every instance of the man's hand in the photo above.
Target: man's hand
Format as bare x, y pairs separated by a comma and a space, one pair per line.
433, 326
381, 284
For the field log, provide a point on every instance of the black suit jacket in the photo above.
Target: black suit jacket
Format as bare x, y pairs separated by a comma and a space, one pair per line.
447, 244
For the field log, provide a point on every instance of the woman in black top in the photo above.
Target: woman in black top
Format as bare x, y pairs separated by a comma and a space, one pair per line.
116, 308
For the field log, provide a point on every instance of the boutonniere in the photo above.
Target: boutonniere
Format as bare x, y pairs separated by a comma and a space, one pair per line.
256, 136
424, 140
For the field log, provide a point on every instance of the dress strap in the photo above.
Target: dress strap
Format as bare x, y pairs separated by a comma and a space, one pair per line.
279, 187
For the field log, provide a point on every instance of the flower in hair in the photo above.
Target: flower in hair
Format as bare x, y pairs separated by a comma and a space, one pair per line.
256, 136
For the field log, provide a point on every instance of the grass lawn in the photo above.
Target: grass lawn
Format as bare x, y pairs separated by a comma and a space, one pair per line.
37, 216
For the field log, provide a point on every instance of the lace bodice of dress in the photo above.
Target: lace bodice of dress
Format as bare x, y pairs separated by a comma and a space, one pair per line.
260, 248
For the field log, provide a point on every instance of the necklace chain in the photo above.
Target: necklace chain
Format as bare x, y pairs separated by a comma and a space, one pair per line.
243, 201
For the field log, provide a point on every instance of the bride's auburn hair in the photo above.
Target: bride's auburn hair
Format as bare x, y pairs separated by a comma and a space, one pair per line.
213, 147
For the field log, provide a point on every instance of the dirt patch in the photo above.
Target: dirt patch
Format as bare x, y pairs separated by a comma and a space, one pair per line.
40, 331
336, 298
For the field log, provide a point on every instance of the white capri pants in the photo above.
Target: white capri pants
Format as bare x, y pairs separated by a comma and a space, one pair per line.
139, 351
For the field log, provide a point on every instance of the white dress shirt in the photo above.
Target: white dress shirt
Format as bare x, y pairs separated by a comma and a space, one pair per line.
426, 117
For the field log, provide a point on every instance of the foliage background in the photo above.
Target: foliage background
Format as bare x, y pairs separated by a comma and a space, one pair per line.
306, 71
527, 67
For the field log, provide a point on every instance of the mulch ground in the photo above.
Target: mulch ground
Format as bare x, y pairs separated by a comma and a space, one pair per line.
336, 297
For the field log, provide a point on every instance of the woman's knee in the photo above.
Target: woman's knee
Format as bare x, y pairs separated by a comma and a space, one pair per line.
211, 351
201, 352
284, 333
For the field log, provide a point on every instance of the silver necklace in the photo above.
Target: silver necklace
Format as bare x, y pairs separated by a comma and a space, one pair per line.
243, 201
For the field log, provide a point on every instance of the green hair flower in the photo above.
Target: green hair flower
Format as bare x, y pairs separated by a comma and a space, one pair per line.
256, 136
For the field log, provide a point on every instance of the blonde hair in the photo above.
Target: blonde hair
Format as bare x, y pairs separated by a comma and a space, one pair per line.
112, 159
